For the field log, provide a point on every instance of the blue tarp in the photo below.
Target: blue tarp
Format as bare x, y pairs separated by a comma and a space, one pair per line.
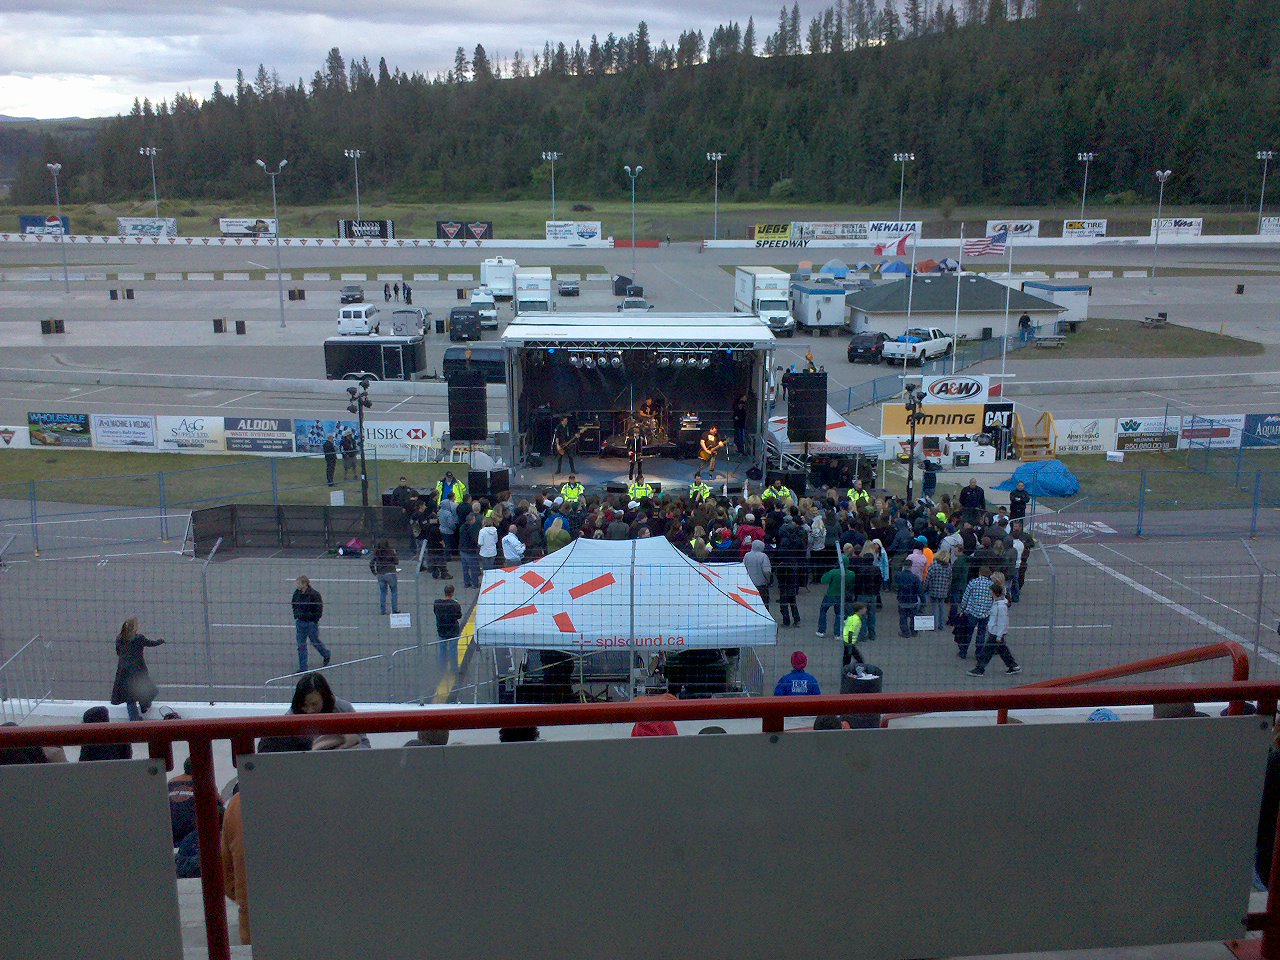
835, 268
897, 266
1047, 478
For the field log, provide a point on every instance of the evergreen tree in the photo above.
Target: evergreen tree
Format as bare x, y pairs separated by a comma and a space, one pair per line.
461, 66
480, 68
749, 38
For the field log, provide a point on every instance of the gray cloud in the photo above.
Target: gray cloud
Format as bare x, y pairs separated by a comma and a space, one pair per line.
81, 59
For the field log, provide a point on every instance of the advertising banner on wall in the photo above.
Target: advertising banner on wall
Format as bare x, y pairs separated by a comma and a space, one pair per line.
957, 389
366, 229
1218, 433
1270, 226
943, 419
1084, 228
190, 433
1261, 430
1147, 433
14, 437
573, 230
392, 438
59, 429
997, 415
308, 435
247, 227
123, 431
1084, 435
1016, 228
147, 226
258, 435
464, 230
830, 230
884, 230
37, 224
1178, 226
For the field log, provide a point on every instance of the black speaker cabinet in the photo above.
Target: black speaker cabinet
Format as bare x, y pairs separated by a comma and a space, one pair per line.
807, 408
499, 481
478, 483
468, 407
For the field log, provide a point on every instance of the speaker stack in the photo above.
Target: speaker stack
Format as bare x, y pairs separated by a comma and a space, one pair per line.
468, 407
807, 408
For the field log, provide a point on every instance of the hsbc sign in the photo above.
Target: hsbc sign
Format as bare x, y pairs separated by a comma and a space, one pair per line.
957, 389
394, 439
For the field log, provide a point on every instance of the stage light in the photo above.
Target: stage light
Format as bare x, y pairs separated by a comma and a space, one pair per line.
575, 360
704, 362
616, 361
602, 360
679, 361
589, 361
664, 361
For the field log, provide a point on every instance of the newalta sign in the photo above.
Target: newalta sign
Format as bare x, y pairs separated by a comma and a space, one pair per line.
366, 229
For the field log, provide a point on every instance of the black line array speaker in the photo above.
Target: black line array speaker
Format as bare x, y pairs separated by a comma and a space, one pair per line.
478, 483
468, 407
807, 408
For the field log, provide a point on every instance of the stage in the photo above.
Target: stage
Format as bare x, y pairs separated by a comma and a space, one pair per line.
596, 473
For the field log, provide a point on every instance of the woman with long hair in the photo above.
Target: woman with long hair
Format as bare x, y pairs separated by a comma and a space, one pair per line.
314, 695
133, 684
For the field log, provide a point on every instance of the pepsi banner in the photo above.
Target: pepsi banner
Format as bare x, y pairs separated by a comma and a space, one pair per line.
50, 225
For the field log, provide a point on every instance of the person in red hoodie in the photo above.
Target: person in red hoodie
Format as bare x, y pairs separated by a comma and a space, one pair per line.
655, 728
747, 533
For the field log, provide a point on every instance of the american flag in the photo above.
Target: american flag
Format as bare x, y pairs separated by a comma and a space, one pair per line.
992, 244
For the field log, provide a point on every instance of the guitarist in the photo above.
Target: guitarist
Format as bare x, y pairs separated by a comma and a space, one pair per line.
635, 452
563, 440
711, 444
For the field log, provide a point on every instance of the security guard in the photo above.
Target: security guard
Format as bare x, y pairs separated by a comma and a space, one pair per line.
639, 489
857, 495
572, 490
450, 488
776, 491
698, 491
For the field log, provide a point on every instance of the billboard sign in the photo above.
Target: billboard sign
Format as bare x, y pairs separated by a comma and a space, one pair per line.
957, 389
1086, 435
1216, 433
190, 433
1147, 433
14, 437
830, 230
147, 226
881, 231
248, 226
573, 230
366, 229
459, 230
1178, 226
1016, 228
1261, 430
1084, 228
258, 435
59, 429
308, 435
392, 438
47, 225
1270, 226
936, 421
123, 431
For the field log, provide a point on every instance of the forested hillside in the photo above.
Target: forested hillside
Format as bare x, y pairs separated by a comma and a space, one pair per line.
994, 98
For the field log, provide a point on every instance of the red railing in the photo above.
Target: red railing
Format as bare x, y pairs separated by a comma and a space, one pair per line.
1224, 650
160, 735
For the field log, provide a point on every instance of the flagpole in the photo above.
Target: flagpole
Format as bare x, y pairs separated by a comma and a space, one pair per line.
911, 286
1008, 292
955, 329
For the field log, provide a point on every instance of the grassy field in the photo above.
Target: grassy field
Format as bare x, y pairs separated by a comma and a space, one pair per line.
134, 479
683, 220
1102, 337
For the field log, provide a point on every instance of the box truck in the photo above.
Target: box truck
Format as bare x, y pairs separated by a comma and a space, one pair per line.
818, 306
763, 291
533, 290
499, 275
378, 358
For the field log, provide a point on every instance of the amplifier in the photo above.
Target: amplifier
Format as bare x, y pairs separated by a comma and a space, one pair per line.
591, 442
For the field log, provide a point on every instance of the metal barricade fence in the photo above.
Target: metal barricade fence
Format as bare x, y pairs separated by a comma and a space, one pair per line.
26, 680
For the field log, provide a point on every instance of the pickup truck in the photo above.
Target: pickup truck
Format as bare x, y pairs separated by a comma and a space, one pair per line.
917, 345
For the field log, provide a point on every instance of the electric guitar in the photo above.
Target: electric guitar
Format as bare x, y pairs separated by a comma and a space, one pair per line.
706, 454
562, 448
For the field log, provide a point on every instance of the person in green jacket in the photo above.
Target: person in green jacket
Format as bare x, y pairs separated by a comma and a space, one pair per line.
853, 630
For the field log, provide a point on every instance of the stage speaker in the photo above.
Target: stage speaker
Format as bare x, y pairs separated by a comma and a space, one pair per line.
478, 483
794, 480
468, 407
544, 426
499, 481
807, 408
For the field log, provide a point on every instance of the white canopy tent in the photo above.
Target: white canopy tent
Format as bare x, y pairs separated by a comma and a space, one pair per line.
621, 594
842, 438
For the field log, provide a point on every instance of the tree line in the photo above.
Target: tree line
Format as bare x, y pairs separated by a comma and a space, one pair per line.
994, 97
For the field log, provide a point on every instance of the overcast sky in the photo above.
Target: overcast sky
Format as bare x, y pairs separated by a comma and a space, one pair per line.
93, 57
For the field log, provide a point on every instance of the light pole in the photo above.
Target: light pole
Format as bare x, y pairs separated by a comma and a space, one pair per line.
354, 156
55, 169
359, 401
1266, 156
275, 213
903, 159
633, 216
150, 154
1085, 158
1162, 176
715, 202
551, 156
915, 410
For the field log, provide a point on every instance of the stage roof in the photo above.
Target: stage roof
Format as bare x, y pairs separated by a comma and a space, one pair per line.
730, 330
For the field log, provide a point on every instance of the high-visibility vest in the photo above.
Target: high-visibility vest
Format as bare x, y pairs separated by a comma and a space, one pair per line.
699, 491
459, 491
639, 491
770, 493
571, 492
857, 496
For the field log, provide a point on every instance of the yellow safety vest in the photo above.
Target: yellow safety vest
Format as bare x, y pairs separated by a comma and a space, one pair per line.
699, 491
571, 492
459, 491
858, 496
639, 492
770, 493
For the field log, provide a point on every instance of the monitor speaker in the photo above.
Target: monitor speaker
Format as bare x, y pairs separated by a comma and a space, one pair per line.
499, 482
807, 408
478, 483
468, 408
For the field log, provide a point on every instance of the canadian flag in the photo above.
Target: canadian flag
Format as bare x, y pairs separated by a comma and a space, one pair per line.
899, 246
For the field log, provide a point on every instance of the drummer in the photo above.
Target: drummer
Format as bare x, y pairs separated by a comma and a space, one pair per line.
649, 409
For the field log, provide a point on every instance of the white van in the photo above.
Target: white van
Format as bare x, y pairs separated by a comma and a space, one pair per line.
482, 300
358, 318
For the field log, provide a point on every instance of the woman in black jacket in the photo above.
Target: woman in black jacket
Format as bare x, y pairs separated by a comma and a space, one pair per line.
133, 685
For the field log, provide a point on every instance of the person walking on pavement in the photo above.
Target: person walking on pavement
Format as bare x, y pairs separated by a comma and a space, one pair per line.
994, 643
1018, 500
910, 599
759, 569
839, 580
448, 625
348, 447
133, 685
386, 292
408, 294
973, 500
330, 458
975, 605
937, 586
469, 549
395, 289
487, 544
308, 608
383, 564
853, 633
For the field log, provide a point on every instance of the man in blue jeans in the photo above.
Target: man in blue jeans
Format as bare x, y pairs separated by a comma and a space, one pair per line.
975, 605
448, 625
308, 608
